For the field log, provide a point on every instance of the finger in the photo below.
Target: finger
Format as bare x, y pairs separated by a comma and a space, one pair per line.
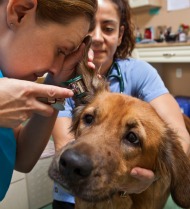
90, 55
42, 90
91, 65
142, 174
42, 109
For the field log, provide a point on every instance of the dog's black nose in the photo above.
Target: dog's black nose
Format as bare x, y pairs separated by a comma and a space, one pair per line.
74, 165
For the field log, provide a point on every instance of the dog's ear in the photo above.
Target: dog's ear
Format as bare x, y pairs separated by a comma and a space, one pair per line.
93, 82
174, 162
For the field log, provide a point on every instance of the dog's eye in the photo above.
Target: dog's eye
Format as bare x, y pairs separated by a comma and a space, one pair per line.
88, 119
132, 138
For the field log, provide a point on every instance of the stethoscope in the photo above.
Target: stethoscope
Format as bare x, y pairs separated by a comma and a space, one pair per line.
119, 76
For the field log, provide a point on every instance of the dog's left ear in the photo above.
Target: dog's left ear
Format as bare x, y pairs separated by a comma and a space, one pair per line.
173, 160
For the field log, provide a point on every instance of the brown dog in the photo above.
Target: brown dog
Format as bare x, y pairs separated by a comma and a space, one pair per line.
115, 133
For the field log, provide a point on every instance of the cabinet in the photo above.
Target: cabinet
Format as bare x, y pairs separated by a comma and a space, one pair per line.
16, 196
144, 4
40, 186
32, 190
172, 63
171, 54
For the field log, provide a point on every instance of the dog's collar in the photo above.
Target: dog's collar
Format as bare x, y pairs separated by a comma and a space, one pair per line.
123, 194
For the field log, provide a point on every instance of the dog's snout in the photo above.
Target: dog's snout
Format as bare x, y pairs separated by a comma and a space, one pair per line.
75, 165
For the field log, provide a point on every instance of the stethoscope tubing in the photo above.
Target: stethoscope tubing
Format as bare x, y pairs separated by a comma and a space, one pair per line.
119, 76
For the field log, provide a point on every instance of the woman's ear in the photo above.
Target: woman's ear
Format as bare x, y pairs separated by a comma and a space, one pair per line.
18, 9
121, 32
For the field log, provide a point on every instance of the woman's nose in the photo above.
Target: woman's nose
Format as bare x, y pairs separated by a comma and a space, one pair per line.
57, 65
97, 35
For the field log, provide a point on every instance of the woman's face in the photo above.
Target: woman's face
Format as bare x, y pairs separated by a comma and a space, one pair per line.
107, 35
32, 50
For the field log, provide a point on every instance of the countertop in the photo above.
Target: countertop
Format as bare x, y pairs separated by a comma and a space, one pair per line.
164, 44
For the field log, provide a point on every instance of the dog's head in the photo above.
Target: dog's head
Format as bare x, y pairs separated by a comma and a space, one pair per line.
115, 133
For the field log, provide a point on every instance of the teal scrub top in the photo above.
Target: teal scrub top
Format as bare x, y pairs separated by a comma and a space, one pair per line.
7, 157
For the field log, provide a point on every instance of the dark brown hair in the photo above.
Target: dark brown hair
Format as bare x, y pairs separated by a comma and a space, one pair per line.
128, 41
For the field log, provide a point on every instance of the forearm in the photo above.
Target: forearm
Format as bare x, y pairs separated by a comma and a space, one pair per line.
169, 111
32, 140
61, 132
184, 140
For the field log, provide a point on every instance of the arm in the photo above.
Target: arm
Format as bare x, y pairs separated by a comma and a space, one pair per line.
31, 140
33, 137
169, 111
61, 134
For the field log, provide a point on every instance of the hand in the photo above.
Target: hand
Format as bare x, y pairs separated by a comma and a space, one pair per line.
90, 59
144, 179
19, 100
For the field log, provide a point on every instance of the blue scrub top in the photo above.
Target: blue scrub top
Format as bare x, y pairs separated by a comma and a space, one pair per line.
7, 157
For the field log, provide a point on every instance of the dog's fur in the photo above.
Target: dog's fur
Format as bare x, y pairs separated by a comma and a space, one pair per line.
115, 133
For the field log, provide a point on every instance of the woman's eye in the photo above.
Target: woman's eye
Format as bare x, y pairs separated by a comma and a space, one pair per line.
88, 119
109, 29
132, 138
